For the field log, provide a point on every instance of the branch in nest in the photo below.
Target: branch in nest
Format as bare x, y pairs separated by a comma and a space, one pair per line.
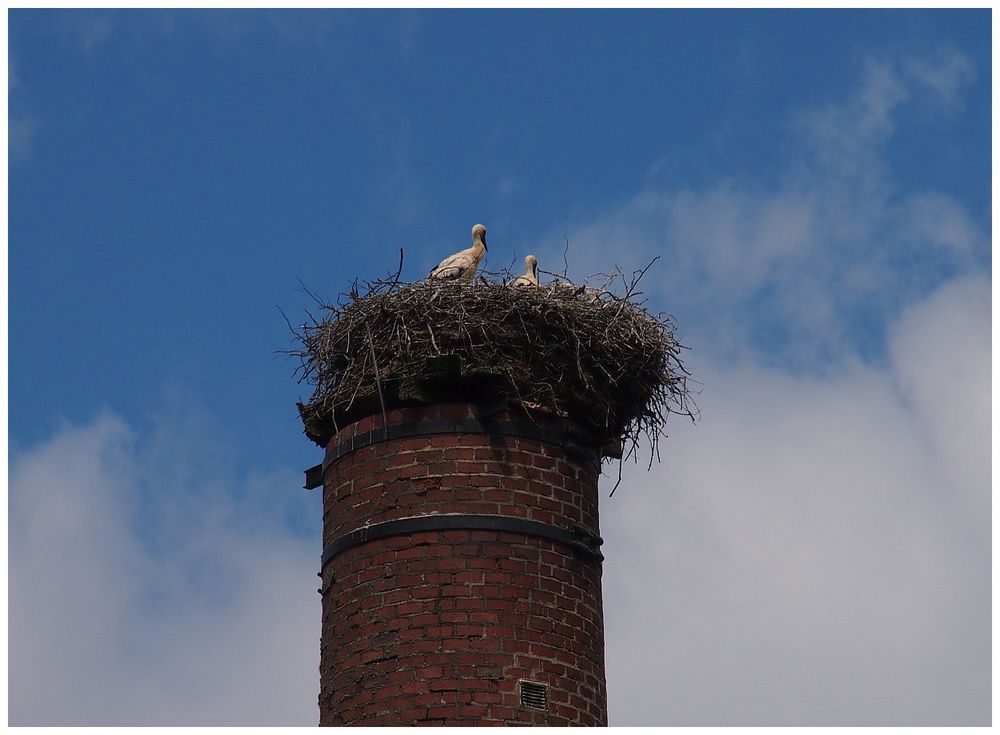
590, 353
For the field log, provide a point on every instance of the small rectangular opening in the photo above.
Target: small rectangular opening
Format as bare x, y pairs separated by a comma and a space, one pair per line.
314, 477
534, 695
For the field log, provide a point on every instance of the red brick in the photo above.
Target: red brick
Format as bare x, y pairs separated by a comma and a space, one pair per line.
429, 597
445, 685
488, 697
455, 411
446, 441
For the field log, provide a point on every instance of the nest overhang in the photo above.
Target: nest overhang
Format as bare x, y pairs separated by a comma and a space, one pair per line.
601, 360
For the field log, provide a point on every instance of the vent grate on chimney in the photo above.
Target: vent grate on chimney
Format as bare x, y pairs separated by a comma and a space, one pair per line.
534, 695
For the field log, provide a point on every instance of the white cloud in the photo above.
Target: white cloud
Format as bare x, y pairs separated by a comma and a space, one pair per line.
145, 589
941, 353
796, 268
943, 73
936, 222
88, 28
20, 137
21, 128
816, 550
841, 138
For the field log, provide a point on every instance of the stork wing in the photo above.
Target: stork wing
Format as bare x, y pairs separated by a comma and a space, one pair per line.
454, 266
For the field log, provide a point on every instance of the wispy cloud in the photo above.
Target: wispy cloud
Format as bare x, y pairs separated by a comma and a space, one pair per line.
944, 73
792, 268
89, 29
20, 137
21, 127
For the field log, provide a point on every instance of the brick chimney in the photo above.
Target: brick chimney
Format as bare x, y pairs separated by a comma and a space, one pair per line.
461, 571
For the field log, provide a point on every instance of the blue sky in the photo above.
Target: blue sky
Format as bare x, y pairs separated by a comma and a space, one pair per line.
817, 184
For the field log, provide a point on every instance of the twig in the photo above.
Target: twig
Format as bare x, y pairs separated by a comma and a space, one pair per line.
378, 383
619, 480
596, 353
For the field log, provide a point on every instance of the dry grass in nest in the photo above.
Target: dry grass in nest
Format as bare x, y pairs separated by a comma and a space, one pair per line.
599, 358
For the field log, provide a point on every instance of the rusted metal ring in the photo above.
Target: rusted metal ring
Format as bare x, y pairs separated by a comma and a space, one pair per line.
581, 540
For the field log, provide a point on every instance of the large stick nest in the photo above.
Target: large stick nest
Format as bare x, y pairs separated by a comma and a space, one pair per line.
599, 358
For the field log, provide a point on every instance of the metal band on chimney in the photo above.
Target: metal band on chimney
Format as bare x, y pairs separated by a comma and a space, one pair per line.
428, 427
579, 539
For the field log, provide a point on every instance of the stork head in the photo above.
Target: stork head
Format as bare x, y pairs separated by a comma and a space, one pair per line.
479, 234
530, 264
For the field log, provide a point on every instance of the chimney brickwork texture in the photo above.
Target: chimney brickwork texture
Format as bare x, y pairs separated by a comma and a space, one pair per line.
454, 591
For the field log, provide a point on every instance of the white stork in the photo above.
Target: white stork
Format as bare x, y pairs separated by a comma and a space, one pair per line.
530, 277
462, 265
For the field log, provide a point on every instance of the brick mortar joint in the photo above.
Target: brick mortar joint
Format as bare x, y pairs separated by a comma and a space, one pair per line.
569, 443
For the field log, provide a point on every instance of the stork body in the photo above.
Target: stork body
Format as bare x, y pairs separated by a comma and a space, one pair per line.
462, 265
530, 277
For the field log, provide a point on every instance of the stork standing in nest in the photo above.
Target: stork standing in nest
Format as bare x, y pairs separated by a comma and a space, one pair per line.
462, 265
530, 277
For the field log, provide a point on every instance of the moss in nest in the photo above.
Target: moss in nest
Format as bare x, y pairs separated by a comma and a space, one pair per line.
599, 358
